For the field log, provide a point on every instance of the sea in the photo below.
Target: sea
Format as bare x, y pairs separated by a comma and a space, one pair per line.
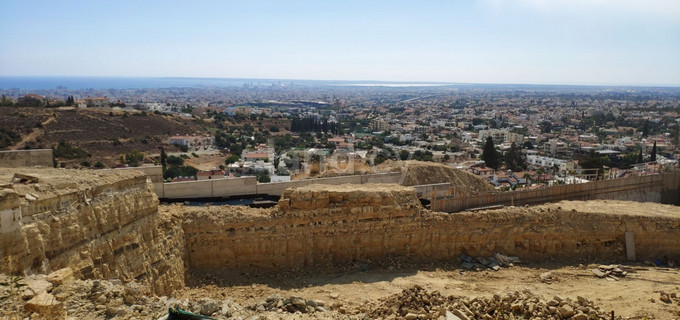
78, 83
81, 83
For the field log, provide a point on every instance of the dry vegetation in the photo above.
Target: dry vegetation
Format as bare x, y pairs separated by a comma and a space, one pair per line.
105, 135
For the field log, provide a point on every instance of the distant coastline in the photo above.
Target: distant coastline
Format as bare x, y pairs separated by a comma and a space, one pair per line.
79, 83
27, 83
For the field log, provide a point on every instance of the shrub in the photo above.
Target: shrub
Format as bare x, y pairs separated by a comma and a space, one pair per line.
134, 158
65, 150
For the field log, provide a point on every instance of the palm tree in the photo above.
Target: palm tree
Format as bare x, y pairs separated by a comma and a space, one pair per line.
540, 172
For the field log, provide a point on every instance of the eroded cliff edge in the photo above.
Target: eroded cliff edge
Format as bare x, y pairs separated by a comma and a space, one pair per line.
102, 224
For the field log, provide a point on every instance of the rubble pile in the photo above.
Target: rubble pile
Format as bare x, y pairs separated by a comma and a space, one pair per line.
59, 297
291, 304
411, 303
417, 303
611, 272
495, 262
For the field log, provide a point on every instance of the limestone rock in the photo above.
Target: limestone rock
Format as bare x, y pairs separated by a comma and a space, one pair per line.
208, 306
61, 276
411, 316
566, 311
36, 285
44, 304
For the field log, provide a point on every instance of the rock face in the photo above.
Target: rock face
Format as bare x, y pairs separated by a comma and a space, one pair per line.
334, 199
324, 225
101, 224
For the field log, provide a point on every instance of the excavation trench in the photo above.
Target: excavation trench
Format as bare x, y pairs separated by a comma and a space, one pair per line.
109, 225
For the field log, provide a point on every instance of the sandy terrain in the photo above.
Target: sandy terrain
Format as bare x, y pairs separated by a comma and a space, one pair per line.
635, 297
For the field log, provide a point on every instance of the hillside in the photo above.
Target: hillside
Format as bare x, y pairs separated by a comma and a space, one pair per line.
103, 134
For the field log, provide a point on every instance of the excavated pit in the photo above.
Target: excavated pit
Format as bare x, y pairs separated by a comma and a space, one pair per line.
107, 224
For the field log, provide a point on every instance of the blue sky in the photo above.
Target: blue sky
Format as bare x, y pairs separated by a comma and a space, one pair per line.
615, 42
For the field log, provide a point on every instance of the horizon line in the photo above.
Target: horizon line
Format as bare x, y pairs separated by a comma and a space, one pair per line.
356, 80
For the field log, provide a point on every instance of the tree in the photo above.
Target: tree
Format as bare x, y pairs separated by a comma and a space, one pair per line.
6, 102
490, 155
180, 171
540, 173
164, 160
263, 178
232, 159
594, 161
514, 159
134, 158
70, 101
403, 154
546, 126
639, 158
175, 161
65, 150
653, 152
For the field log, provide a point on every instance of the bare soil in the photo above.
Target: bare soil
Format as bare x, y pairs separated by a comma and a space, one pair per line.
637, 296
420, 172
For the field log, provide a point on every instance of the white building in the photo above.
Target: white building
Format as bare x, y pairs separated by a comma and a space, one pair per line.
548, 162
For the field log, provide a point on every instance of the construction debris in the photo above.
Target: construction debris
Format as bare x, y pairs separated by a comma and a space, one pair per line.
611, 272
495, 262
418, 303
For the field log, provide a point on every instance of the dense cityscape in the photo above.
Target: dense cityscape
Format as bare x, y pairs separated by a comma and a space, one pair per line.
512, 135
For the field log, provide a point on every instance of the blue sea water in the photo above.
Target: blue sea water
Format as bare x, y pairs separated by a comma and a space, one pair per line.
33, 83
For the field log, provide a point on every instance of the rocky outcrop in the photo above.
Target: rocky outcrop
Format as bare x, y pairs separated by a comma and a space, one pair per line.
102, 224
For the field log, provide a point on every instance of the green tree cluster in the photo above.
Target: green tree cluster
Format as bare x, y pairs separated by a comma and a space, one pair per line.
6, 102
514, 159
594, 161
134, 158
490, 155
309, 124
8, 137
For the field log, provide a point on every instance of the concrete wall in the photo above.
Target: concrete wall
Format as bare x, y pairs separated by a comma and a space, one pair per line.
243, 186
661, 188
155, 173
26, 158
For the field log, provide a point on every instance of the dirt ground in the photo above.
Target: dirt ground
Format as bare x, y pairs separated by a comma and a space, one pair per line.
206, 161
420, 172
636, 296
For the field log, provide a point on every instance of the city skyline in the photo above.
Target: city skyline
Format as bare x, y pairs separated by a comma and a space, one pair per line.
519, 41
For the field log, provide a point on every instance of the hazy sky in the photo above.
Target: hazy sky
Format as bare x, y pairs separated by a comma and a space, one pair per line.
483, 41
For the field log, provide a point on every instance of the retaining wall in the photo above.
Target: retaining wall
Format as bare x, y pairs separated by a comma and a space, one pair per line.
661, 188
26, 158
243, 186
